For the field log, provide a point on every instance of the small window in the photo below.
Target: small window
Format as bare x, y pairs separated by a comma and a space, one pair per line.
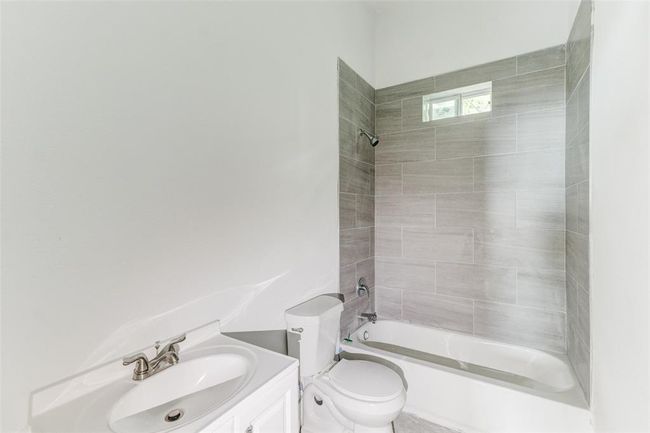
457, 102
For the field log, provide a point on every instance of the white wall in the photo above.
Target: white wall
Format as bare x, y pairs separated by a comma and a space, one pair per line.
422, 39
619, 217
164, 164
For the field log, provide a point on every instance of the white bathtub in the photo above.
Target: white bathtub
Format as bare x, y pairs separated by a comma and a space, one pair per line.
477, 385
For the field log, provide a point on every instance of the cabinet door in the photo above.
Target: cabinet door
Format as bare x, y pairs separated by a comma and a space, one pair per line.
226, 427
276, 418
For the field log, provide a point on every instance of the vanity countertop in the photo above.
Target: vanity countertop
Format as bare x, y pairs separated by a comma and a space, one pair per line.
84, 403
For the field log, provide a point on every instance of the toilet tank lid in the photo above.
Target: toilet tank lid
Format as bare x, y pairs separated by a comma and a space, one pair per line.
315, 307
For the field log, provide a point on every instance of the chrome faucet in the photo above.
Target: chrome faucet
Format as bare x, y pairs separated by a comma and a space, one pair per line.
372, 317
165, 357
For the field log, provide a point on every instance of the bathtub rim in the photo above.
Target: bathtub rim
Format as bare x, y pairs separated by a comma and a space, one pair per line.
573, 396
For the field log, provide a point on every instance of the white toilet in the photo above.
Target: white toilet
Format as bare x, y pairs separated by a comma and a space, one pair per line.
345, 396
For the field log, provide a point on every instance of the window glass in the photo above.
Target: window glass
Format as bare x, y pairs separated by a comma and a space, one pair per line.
477, 104
462, 101
440, 109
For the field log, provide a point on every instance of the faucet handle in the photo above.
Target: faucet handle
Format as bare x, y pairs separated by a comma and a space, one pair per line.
171, 345
134, 358
141, 365
178, 339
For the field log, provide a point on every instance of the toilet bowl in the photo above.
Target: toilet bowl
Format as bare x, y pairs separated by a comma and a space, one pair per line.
359, 396
349, 396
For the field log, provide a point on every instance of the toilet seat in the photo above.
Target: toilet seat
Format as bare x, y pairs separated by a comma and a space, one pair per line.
365, 380
364, 392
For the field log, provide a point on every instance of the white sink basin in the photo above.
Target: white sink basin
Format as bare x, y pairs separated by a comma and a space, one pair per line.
181, 393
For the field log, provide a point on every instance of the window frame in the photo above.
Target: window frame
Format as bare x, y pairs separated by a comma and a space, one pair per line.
457, 95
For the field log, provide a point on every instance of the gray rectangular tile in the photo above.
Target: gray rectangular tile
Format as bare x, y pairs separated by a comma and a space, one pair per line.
577, 258
364, 151
347, 212
530, 170
449, 244
583, 208
388, 179
439, 311
388, 303
347, 280
365, 211
578, 352
366, 270
577, 208
476, 282
541, 59
541, 209
577, 158
365, 89
454, 175
406, 210
406, 146
350, 315
571, 124
536, 91
476, 138
520, 325
406, 274
572, 208
346, 73
477, 74
388, 117
583, 314
541, 288
361, 115
388, 241
578, 46
367, 110
583, 95
412, 115
356, 177
524, 248
539, 130
571, 300
371, 124
406, 90
352, 106
354, 245
476, 209
347, 138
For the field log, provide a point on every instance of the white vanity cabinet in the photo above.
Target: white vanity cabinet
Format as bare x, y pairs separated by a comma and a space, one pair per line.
274, 408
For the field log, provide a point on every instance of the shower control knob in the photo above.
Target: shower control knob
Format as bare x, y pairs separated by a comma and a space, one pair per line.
298, 330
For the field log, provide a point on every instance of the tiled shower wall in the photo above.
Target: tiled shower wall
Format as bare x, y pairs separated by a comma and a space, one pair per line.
577, 193
356, 193
470, 212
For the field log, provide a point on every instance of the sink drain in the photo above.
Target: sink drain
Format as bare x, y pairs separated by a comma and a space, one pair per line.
174, 415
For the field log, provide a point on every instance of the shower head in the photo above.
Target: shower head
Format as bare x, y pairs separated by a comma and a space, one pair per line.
374, 141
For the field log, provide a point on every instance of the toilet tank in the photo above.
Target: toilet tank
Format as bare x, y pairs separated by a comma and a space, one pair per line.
317, 323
